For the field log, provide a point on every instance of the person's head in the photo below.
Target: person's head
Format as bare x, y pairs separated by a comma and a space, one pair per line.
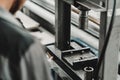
11, 5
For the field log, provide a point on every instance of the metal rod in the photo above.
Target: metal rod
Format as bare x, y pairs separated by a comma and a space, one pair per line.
83, 20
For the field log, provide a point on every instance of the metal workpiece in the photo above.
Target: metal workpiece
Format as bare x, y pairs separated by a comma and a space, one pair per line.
62, 24
88, 73
83, 20
77, 59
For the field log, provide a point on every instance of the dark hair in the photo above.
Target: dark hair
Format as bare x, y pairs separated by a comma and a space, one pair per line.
16, 6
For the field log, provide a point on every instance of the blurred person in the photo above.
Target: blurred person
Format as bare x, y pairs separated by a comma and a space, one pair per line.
21, 55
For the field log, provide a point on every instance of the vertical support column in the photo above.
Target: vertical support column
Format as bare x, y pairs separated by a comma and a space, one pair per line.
110, 63
111, 58
62, 24
103, 30
103, 24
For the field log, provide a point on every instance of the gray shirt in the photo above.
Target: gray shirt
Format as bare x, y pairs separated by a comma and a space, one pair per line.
21, 55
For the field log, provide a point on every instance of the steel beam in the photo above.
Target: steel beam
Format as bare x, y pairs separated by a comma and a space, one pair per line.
62, 24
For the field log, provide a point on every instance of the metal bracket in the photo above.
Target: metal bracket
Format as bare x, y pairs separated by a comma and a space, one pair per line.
78, 59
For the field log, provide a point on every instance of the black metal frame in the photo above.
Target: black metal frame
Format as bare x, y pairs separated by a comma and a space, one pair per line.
62, 41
